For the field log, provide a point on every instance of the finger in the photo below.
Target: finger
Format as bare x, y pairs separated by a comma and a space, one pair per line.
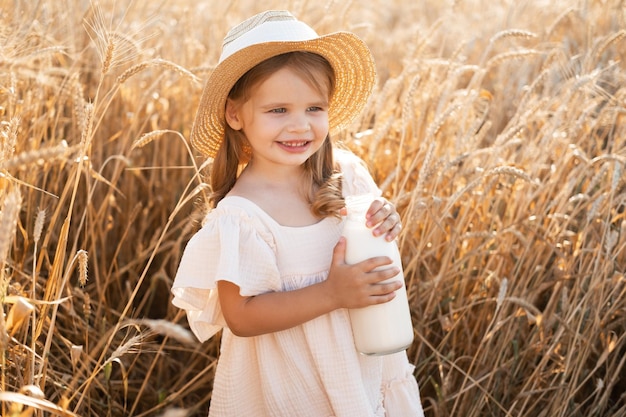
376, 205
394, 232
381, 299
377, 265
388, 225
384, 281
386, 289
384, 211
339, 252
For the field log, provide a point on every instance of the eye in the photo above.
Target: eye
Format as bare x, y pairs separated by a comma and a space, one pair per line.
315, 109
278, 110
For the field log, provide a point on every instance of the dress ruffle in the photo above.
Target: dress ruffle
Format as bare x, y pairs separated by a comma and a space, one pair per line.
401, 395
243, 253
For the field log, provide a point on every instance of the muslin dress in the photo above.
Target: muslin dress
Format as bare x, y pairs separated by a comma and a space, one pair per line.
312, 369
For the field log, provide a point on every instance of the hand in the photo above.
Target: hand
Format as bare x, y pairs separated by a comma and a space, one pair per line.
384, 216
359, 285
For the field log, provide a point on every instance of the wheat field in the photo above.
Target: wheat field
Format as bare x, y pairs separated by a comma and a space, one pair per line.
497, 127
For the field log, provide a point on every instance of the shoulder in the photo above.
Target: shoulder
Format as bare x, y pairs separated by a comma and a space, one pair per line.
346, 157
232, 207
350, 163
235, 216
357, 178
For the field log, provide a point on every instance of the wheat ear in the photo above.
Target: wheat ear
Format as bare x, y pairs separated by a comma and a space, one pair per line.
156, 62
8, 222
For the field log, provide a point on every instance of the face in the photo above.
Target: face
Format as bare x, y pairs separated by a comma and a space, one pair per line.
285, 120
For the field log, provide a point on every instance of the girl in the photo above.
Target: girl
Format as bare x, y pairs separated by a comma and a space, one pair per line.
268, 265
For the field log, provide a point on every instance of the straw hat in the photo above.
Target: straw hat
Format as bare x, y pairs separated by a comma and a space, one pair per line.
273, 33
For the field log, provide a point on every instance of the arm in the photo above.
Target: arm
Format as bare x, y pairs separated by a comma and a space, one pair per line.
347, 286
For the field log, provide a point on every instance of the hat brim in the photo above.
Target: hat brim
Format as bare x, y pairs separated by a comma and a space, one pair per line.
348, 55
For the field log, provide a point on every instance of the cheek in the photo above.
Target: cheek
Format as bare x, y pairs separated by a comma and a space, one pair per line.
249, 121
263, 125
321, 126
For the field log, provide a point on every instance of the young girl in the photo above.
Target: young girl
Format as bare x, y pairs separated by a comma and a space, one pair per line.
268, 264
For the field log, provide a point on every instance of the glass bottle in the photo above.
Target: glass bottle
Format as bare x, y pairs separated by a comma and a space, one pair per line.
382, 328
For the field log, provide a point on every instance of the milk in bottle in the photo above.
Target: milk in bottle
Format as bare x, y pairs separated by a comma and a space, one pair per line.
383, 328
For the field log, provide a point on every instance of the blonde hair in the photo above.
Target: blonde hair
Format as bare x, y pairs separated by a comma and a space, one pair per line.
324, 193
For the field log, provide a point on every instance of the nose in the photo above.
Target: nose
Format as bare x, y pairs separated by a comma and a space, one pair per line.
299, 123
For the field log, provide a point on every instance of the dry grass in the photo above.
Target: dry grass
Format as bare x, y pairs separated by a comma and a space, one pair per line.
498, 128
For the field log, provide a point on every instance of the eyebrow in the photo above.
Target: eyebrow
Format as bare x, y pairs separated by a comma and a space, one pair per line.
274, 105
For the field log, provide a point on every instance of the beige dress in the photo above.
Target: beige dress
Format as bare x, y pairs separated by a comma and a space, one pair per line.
309, 370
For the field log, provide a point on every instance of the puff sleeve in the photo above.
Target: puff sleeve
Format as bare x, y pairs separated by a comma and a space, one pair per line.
230, 246
356, 178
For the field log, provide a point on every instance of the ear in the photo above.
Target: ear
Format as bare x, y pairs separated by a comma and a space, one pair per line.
232, 116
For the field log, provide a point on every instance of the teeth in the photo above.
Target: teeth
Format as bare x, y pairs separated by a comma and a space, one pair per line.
294, 144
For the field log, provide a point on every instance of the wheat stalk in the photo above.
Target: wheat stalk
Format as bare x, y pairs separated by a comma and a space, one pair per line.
135, 69
107, 60
512, 33
597, 178
11, 205
169, 329
37, 230
82, 267
114, 46
9, 136
606, 44
39, 223
511, 55
33, 403
560, 19
37, 54
37, 156
510, 171
617, 176
146, 138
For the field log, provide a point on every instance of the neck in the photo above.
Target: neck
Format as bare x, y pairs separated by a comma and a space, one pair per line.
282, 193
279, 175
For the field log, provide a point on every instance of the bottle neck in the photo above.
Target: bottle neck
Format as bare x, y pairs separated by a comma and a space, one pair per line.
358, 205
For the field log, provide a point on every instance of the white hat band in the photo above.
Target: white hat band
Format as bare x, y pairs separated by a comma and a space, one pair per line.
281, 31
